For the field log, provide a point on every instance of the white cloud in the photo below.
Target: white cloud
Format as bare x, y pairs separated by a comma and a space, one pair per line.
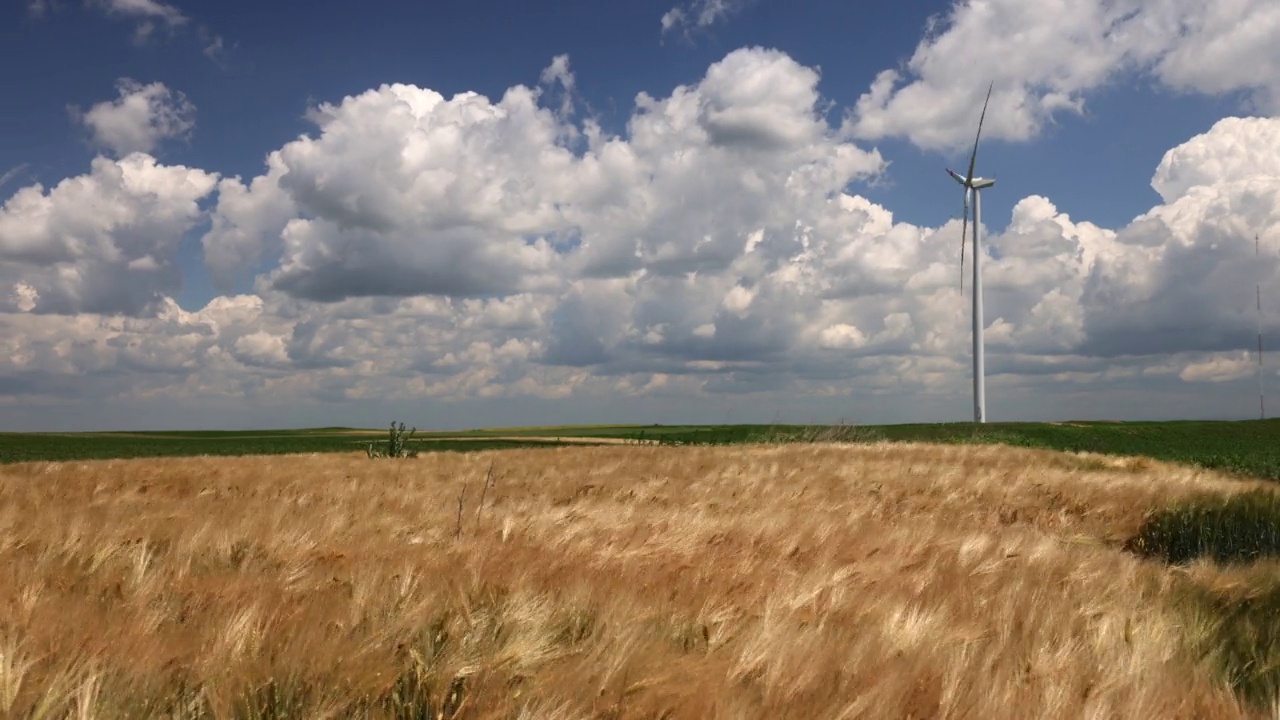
1045, 58
24, 297
248, 221
466, 250
408, 193
1219, 47
261, 349
1233, 150
140, 119
101, 242
558, 72
1220, 368
699, 14
214, 48
1181, 277
842, 336
148, 14
151, 16
145, 9
404, 192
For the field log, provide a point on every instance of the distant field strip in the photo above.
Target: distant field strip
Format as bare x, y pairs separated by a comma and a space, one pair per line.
1244, 448
29, 447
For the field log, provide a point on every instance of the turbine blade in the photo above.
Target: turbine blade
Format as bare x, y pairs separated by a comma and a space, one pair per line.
973, 159
955, 176
964, 234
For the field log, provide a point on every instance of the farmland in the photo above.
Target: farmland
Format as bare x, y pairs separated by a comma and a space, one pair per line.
684, 571
817, 580
801, 579
1250, 447
1246, 448
23, 447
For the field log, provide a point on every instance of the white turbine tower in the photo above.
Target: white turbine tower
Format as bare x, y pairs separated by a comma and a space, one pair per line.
1262, 402
975, 185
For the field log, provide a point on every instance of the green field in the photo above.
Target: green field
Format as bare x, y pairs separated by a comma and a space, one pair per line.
1248, 448
24, 447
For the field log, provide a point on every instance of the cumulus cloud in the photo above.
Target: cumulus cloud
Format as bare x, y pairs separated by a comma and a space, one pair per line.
466, 249
102, 242
1181, 276
1233, 150
404, 192
1218, 48
140, 119
1044, 59
247, 223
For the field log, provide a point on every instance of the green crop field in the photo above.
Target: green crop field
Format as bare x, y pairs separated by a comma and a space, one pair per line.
1249, 448
23, 447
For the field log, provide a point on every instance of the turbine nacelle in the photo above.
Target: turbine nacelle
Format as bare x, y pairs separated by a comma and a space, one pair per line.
971, 183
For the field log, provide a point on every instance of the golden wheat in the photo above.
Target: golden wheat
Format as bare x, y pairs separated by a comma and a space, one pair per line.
808, 581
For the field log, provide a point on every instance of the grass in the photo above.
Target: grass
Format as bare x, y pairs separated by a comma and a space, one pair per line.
1233, 622
1236, 528
1229, 596
792, 580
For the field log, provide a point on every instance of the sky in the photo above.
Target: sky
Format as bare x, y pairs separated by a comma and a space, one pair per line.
475, 214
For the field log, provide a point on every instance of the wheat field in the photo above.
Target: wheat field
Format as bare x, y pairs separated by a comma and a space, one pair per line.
792, 581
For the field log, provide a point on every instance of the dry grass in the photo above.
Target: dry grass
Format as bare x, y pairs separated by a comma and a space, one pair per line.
809, 581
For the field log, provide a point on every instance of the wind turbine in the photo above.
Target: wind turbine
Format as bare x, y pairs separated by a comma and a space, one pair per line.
1262, 402
974, 185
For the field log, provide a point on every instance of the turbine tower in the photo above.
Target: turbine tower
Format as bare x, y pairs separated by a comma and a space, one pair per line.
974, 185
1262, 402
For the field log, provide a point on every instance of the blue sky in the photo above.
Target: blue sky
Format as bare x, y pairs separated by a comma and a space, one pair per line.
1088, 100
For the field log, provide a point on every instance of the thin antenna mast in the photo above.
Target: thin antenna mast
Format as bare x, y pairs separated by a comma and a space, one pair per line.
1262, 403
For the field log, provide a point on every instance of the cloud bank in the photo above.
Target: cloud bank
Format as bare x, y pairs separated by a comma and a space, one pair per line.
415, 248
